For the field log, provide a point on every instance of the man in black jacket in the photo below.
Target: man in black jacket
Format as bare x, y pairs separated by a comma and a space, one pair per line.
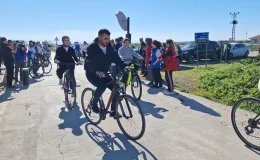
65, 54
100, 56
6, 54
142, 53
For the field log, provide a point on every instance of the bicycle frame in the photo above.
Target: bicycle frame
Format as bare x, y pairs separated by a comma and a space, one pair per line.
132, 67
115, 89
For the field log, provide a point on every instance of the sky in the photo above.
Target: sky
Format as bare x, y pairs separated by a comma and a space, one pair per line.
158, 19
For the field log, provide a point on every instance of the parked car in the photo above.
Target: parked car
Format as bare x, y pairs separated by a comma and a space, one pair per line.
190, 51
180, 54
239, 50
136, 50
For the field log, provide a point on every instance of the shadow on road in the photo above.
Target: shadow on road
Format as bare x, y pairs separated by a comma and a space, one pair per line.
194, 105
253, 150
118, 147
151, 109
72, 120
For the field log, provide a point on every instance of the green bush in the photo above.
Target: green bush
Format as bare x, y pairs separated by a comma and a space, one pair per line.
237, 82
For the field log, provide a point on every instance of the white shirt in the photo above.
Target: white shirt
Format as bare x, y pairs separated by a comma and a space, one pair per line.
84, 47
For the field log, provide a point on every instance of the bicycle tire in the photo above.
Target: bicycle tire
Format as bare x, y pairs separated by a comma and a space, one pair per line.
137, 97
39, 75
84, 108
125, 97
66, 89
234, 121
49, 65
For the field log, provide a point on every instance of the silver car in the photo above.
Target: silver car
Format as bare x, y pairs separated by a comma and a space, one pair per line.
239, 50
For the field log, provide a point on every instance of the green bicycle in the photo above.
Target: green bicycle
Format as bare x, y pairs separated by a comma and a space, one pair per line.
134, 80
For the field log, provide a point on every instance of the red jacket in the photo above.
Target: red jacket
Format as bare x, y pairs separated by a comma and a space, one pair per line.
170, 60
148, 54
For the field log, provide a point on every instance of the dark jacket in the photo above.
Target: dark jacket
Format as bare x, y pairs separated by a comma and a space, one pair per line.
66, 57
117, 46
6, 54
142, 49
98, 61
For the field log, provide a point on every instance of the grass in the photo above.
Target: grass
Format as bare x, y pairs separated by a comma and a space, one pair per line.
188, 79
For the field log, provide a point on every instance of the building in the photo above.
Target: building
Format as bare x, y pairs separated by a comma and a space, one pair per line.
255, 39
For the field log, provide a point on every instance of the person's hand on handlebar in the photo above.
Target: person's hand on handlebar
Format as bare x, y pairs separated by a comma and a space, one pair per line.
101, 74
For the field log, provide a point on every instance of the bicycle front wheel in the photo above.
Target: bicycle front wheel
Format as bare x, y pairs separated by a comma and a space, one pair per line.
136, 86
47, 66
36, 70
245, 118
69, 88
86, 98
129, 115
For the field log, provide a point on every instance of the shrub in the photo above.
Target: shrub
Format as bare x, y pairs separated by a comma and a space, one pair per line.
235, 83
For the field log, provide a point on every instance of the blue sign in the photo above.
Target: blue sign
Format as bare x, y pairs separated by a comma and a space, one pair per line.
202, 37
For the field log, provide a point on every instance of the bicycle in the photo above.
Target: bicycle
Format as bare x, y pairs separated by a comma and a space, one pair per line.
45, 60
134, 80
250, 122
37, 69
126, 113
69, 85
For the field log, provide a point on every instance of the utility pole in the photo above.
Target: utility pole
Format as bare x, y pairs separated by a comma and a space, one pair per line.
234, 22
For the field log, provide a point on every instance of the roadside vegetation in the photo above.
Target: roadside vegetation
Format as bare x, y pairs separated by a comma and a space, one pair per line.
224, 82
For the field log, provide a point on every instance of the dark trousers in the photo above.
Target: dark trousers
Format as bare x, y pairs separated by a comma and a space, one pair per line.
10, 75
101, 84
62, 68
19, 65
144, 69
157, 76
84, 54
169, 80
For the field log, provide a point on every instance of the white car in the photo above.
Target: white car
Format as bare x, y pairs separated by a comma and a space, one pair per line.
239, 50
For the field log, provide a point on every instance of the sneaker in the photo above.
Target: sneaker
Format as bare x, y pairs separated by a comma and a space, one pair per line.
60, 82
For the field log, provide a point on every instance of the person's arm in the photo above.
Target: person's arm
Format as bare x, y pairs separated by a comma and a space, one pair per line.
136, 55
120, 53
118, 61
167, 53
57, 55
158, 55
74, 55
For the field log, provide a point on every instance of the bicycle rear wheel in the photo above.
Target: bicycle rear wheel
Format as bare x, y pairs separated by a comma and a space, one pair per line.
128, 113
136, 86
36, 70
246, 121
86, 98
69, 88
47, 66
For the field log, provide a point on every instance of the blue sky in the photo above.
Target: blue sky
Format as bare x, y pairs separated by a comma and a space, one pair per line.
158, 19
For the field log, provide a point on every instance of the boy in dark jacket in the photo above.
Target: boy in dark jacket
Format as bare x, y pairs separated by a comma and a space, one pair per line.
8, 58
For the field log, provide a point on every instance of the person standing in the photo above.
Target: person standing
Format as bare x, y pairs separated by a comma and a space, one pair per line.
142, 53
84, 47
112, 42
156, 66
148, 54
20, 57
170, 64
8, 58
118, 45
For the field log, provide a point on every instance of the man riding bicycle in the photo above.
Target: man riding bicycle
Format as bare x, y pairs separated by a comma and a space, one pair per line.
100, 56
65, 54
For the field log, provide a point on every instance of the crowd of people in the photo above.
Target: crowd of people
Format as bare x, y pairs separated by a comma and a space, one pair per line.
155, 57
16, 55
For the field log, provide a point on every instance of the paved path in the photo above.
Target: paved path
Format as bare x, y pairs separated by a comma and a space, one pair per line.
34, 125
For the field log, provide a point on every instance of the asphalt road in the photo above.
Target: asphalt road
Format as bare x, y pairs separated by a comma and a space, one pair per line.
35, 125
